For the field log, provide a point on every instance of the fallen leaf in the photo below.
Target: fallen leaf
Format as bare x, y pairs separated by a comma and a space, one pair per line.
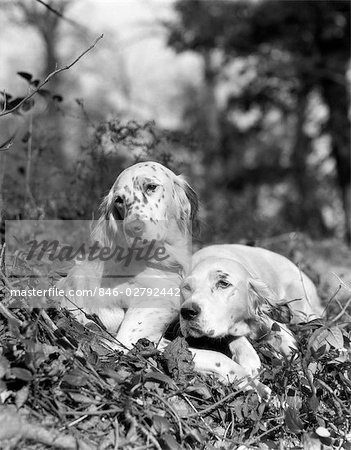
161, 424
161, 377
335, 337
20, 374
322, 432
293, 421
168, 442
22, 396
75, 378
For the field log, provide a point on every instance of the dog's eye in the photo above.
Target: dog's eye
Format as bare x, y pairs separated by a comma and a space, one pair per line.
223, 284
150, 188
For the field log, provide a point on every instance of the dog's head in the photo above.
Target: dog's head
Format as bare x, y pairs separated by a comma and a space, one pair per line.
146, 203
221, 299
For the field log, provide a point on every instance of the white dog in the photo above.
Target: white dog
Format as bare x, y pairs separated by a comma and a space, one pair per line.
239, 291
146, 219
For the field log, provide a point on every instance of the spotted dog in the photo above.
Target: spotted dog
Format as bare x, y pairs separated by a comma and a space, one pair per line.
149, 209
148, 203
240, 292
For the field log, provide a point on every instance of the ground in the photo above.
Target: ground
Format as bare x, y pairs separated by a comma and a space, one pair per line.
61, 388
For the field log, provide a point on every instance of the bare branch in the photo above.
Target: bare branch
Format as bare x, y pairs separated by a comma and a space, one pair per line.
59, 14
51, 75
342, 312
55, 11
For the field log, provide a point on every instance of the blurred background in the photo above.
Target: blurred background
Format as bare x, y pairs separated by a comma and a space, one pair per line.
249, 99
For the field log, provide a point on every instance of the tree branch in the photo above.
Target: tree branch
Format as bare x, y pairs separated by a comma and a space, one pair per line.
59, 14
51, 75
55, 11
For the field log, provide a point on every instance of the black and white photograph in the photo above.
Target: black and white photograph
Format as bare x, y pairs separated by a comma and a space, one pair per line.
175, 224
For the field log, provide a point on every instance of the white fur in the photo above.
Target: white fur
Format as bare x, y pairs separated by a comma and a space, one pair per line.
167, 212
257, 283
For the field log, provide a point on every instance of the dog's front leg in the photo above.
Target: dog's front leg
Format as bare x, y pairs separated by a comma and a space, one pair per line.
280, 337
85, 293
143, 320
245, 355
228, 371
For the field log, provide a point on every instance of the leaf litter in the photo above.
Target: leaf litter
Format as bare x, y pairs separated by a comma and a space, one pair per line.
60, 387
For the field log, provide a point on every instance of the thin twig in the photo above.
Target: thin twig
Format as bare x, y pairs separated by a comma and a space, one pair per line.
303, 286
219, 402
51, 75
52, 437
28, 192
331, 299
9, 316
342, 312
9, 286
116, 434
52, 326
332, 392
93, 413
149, 436
258, 438
342, 282
2, 258
83, 28
83, 417
201, 418
172, 410
100, 325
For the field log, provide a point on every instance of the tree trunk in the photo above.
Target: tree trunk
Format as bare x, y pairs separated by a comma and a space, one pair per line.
309, 216
2, 176
210, 109
336, 97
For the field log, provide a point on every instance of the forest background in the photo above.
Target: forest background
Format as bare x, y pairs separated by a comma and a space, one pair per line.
250, 100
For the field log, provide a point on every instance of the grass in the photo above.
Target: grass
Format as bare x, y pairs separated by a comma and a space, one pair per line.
61, 388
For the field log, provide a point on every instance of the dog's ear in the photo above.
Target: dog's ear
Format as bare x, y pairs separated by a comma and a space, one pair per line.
263, 300
188, 203
261, 296
105, 229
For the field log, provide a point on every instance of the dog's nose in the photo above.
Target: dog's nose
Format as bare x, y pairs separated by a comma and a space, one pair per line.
135, 228
189, 312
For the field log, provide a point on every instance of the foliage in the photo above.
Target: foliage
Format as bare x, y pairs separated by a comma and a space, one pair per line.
76, 191
22, 105
269, 69
61, 387
7, 103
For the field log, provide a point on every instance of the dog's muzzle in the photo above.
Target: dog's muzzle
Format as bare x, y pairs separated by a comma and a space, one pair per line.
190, 311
